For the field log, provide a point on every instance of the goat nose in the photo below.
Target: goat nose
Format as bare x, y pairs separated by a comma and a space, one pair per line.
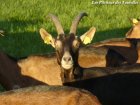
67, 59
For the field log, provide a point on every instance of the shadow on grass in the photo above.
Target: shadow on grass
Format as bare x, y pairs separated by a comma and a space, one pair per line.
18, 42
114, 33
14, 24
22, 43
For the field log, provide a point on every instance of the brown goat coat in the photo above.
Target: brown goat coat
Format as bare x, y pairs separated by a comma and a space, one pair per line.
122, 46
45, 95
120, 42
42, 68
92, 57
9, 74
134, 34
138, 50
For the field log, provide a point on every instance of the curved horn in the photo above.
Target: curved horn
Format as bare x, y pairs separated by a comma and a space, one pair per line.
57, 23
76, 21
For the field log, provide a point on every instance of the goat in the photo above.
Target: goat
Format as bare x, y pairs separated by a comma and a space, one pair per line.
120, 45
48, 95
108, 53
133, 35
10, 74
134, 32
67, 47
43, 68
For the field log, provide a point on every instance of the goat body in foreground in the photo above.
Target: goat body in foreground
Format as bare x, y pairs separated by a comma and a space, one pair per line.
131, 44
127, 50
112, 86
48, 95
133, 35
43, 68
105, 83
10, 74
109, 53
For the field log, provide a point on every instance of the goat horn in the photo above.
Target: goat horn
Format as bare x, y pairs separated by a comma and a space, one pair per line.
76, 21
57, 23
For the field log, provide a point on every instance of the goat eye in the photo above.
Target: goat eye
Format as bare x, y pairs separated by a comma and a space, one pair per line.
76, 43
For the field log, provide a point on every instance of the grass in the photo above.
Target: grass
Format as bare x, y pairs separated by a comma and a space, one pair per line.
21, 19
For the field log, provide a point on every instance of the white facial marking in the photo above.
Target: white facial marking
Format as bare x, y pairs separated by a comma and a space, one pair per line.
67, 61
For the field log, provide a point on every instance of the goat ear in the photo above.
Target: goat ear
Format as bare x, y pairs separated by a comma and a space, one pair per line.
88, 36
134, 21
48, 39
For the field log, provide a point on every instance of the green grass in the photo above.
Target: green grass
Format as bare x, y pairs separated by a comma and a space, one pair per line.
21, 19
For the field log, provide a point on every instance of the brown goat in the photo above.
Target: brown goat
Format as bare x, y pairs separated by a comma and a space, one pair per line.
42, 68
122, 46
138, 50
133, 35
67, 46
108, 53
134, 32
48, 95
119, 46
10, 74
